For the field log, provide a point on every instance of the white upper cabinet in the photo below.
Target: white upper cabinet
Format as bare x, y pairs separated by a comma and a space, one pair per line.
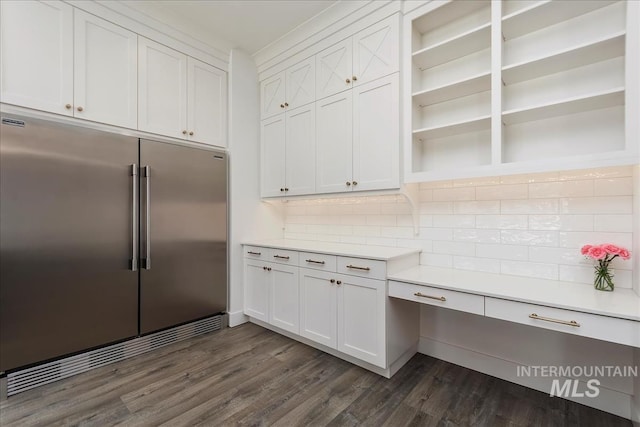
162, 82
376, 135
300, 173
272, 156
334, 143
289, 89
334, 67
206, 103
36, 55
105, 71
376, 52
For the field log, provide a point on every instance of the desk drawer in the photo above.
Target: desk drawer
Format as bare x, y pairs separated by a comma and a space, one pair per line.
362, 267
317, 261
605, 328
256, 252
283, 256
438, 297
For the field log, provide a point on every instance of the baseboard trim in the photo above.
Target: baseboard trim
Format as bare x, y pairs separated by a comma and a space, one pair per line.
237, 318
611, 401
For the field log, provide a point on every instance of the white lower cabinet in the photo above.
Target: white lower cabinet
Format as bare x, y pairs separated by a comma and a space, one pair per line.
284, 309
318, 306
256, 290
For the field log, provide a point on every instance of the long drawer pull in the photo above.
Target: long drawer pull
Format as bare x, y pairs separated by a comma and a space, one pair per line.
418, 294
549, 319
358, 268
314, 261
281, 257
254, 253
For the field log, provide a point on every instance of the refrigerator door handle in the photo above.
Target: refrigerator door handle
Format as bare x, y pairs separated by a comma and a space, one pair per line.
147, 175
134, 218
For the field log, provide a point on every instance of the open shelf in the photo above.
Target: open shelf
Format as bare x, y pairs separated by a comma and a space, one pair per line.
600, 100
461, 151
457, 89
463, 44
545, 14
454, 128
554, 62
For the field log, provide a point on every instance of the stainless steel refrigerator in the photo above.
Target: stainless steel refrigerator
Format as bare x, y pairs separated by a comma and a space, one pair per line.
104, 237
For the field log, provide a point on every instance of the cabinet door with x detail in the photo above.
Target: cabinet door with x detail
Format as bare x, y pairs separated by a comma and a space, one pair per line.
301, 83
375, 51
334, 69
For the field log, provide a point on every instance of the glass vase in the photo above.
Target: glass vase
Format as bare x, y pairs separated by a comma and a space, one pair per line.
603, 280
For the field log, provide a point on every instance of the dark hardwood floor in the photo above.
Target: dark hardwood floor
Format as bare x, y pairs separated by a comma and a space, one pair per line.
251, 376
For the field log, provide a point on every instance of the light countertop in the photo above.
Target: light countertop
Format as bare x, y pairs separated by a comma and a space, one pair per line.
621, 303
383, 253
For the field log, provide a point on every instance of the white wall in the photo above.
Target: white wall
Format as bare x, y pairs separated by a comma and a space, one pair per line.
249, 218
523, 225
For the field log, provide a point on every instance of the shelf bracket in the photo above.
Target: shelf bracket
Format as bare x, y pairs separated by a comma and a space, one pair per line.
411, 192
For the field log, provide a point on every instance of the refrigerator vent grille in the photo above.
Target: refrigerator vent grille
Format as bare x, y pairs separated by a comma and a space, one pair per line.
46, 373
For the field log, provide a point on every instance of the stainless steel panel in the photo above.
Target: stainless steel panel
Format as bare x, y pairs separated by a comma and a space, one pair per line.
65, 241
188, 235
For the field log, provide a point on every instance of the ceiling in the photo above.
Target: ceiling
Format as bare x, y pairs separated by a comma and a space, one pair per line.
246, 24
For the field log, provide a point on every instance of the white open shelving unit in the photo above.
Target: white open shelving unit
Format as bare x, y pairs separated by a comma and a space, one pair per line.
496, 87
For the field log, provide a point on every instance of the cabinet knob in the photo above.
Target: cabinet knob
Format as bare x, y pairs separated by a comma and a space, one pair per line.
339, 282
191, 133
348, 183
184, 132
68, 106
282, 189
354, 78
281, 105
332, 281
348, 80
286, 189
355, 183
264, 268
80, 109
268, 268
286, 104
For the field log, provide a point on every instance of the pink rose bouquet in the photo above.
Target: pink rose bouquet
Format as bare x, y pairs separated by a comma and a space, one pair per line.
604, 254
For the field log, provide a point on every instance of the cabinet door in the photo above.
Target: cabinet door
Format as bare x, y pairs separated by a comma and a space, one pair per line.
256, 290
375, 51
300, 153
272, 95
285, 300
272, 160
105, 72
376, 135
318, 305
301, 83
206, 103
334, 143
361, 318
334, 69
36, 55
162, 84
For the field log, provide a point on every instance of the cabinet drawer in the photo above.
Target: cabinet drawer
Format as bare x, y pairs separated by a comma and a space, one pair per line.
362, 267
317, 261
573, 322
439, 297
283, 256
256, 252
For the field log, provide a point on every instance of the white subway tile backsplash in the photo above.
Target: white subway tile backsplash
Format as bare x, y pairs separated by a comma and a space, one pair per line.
544, 190
577, 239
547, 206
509, 252
479, 236
476, 264
527, 237
451, 194
505, 222
614, 187
596, 205
525, 225
530, 269
478, 207
502, 192
561, 222
454, 221
454, 248
620, 223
